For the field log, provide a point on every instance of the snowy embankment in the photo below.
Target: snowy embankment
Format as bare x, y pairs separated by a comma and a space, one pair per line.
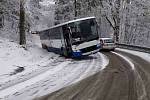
27, 74
19, 65
145, 56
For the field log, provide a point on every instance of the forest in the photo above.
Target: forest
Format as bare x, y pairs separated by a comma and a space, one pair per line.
127, 21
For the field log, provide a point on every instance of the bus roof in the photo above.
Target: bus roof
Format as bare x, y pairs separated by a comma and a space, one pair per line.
76, 20
106, 38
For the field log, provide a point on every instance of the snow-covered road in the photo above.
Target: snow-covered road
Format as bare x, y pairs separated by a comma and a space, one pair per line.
61, 75
43, 72
127, 77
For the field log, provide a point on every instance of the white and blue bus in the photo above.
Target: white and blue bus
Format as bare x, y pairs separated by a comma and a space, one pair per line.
74, 38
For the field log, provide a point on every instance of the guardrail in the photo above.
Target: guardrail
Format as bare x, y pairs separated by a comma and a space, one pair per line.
131, 47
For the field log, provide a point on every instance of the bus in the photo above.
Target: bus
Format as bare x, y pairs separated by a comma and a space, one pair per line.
74, 38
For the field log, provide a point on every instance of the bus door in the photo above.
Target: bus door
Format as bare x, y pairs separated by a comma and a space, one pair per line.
67, 40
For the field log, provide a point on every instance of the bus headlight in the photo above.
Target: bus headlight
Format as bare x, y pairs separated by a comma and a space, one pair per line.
98, 45
77, 51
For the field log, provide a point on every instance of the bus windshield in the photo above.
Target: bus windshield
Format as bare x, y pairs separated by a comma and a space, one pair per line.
82, 31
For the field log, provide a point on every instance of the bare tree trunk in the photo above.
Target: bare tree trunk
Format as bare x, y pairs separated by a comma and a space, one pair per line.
75, 9
22, 24
116, 33
1, 19
116, 18
1, 15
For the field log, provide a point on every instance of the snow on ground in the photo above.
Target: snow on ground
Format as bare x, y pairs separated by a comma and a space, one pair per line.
65, 74
18, 64
27, 74
145, 56
103, 62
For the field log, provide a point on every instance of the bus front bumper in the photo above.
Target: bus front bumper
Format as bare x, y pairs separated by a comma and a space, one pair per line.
80, 54
91, 52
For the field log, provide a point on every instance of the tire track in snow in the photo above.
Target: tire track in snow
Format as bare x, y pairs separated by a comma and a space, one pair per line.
31, 81
140, 74
92, 66
126, 59
25, 75
70, 78
71, 73
132, 87
54, 81
98, 63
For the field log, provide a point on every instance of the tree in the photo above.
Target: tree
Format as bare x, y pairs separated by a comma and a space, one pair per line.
1, 19
1, 14
64, 11
104, 10
75, 8
111, 13
22, 24
71, 9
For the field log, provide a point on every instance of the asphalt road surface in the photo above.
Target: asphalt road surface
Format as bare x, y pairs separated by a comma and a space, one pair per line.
118, 81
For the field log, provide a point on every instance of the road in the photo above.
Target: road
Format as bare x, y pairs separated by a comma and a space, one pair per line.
122, 79
60, 73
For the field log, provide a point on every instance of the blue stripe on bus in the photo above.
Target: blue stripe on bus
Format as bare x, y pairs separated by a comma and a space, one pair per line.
76, 54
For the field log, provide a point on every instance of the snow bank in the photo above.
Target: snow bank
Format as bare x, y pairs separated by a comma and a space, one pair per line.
18, 64
31, 81
145, 56
44, 72
68, 72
